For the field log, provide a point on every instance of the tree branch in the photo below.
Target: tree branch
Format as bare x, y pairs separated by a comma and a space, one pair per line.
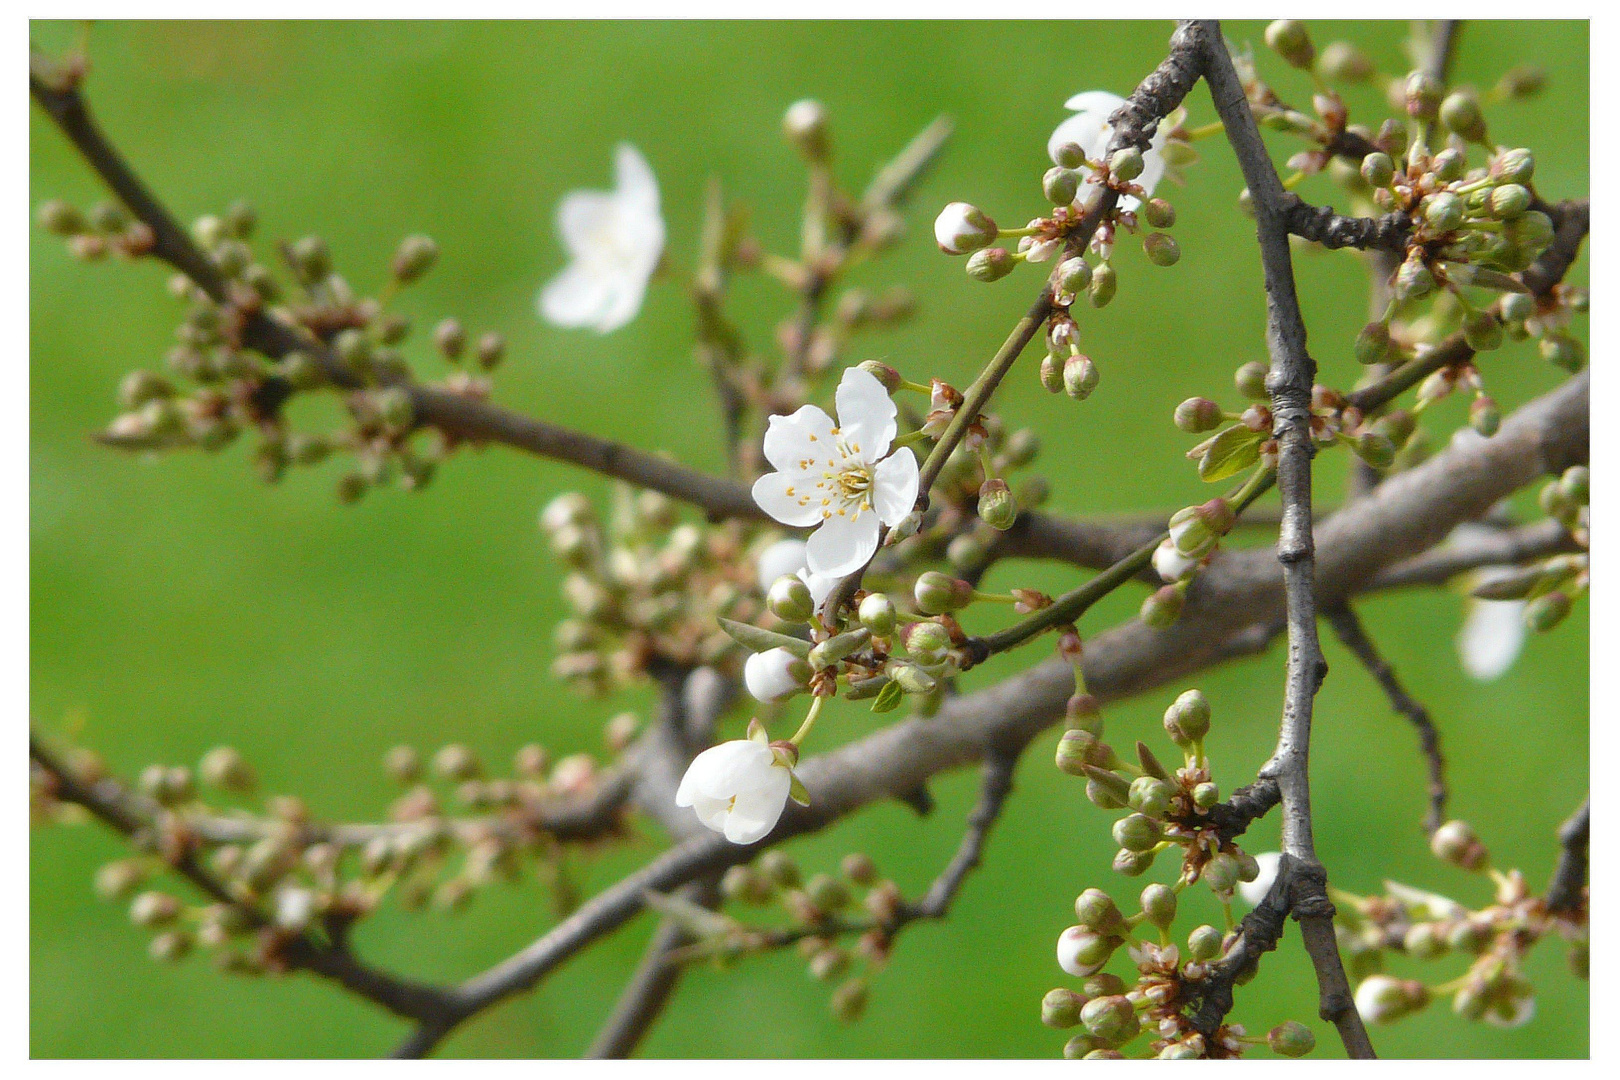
1566, 891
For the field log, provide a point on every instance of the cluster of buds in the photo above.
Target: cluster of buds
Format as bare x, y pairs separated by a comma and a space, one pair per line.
1194, 534
819, 910
1429, 927
1549, 587
643, 588
224, 389
91, 235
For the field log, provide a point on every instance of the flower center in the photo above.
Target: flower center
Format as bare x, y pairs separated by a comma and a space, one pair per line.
844, 486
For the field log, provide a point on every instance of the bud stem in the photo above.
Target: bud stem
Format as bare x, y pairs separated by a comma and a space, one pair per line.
809, 720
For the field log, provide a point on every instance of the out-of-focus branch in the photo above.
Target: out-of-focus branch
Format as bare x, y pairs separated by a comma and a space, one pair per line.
1347, 625
1569, 878
1293, 374
1483, 547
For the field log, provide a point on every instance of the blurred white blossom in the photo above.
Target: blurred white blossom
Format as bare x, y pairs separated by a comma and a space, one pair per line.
614, 239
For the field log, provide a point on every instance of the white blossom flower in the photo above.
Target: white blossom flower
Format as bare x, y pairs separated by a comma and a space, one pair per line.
962, 227
1493, 631
1090, 129
837, 477
775, 674
1171, 564
614, 239
787, 557
1255, 891
740, 788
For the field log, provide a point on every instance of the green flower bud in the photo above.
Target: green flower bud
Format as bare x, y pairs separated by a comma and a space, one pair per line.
849, 1001
1532, 231
1111, 1019
1133, 863
225, 768
1576, 485
928, 641
1291, 1039
1443, 211
990, 264
877, 614
883, 373
311, 260
1378, 169
1081, 1046
1545, 612
1126, 164
1482, 331
1423, 94
1095, 910
827, 892
1104, 283
1250, 380
1484, 416
1206, 795
1508, 202
997, 508
1198, 414
1073, 750
1344, 62
1052, 373
789, 599
1151, 796
1136, 832
1060, 1008
1186, 721
1073, 276
1060, 185
858, 868
745, 885
1204, 943
1413, 279
1159, 905
394, 407
1423, 941
1070, 155
937, 593
1515, 166
1289, 39
1460, 113
118, 879
1397, 425
154, 909
1163, 607
1158, 213
1161, 249
1564, 352
805, 127
1080, 375
170, 947
780, 868
456, 762
491, 350
56, 216
1221, 873
109, 218
1375, 449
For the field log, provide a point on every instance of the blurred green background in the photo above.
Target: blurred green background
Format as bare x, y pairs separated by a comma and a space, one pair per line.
178, 603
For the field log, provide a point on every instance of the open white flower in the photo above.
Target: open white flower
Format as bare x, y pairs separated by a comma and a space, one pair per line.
1089, 128
1255, 891
787, 557
740, 788
837, 477
615, 239
775, 674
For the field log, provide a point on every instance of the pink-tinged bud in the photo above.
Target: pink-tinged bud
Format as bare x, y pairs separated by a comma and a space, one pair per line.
938, 593
1381, 999
1456, 843
962, 228
883, 373
1070, 647
1198, 414
1163, 607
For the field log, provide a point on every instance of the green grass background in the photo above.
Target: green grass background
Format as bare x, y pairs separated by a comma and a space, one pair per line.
178, 603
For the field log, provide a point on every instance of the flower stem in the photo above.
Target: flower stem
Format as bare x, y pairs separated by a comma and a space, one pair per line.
809, 720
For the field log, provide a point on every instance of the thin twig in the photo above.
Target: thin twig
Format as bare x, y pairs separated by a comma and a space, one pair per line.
1567, 890
1347, 625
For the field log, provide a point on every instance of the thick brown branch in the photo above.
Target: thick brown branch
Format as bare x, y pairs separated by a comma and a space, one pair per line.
1567, 889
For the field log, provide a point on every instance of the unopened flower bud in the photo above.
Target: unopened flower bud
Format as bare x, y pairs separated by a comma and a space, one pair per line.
1514, 166
1443, 212
1482, 331
1461, 114
456, 762
1159, 905
1291, 1039
1484, 416
1163, 606
1198, 414
805, 126
1344, 62
116, 880
1081, 951
1095, 910
1060, 1008
937, 593
928, 641
1221, 873
1104, 283
1374, 448
849, 1001
883, 373
1158, 213
311, 260
1151, 796
1381, 999
789, 599
1073, 749
1080, 377
997, 507
1161, 249
1250, 380
1378, 169
1206, 795
1423, 94
1126, 164
1060, 185
1112, 1019
224, 768
1289, 39
491, 350
1204, 943
962, 228
1136, 832
56, 216
1186, 721
1413, 279
1129, 863
990, 264
1073, 276
153, 909
1545, 612
827, 892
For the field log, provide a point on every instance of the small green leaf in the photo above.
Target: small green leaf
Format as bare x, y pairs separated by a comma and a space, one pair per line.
1150, 764
889, 698
797, 791
1230, 452
757, 640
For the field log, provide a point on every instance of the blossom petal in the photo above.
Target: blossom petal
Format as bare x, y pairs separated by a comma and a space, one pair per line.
790, 441
755, 813
781, 558
1491, 637
584, 219
778, 494
574, 298
820, 585
727, 769
634, 177
894, 486
866, 414
714, 813
1255, 891
1085, 129
623, 301
842, 544
769, 675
